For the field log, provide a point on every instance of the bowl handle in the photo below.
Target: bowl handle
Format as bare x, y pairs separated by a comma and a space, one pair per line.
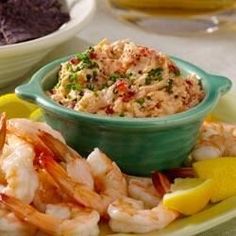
29, 91
220, 83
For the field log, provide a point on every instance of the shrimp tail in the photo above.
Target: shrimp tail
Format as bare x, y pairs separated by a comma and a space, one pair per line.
161, 183
59, 149
182, 172
30, 215
77, 191
2, 130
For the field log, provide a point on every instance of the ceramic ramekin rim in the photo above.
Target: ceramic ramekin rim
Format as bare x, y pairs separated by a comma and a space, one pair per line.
214, 86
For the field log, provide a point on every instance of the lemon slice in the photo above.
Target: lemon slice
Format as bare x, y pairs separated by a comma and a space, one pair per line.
211, 118
223, 173
36, 115
189, 195
15, 107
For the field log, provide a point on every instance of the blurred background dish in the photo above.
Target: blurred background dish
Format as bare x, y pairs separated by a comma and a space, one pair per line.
18, 59
177, 17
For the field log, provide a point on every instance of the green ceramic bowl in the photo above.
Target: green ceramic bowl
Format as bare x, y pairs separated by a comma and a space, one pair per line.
138, 145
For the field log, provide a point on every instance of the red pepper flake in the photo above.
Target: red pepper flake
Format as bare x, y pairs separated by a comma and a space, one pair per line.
93, 55
109, 110
128, 96
74, 61
158, 105
173, 69
189, 82
121, 87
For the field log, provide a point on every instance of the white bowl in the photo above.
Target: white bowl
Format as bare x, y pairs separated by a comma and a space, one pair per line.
18, 59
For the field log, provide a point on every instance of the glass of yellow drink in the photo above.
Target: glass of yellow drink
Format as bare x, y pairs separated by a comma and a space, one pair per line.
177, 16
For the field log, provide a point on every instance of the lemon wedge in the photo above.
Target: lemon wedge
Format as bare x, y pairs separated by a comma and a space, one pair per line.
15, 107
189, 195
36, 115
223, 173
211, 118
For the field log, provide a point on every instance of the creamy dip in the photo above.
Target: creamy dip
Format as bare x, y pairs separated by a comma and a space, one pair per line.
125, 79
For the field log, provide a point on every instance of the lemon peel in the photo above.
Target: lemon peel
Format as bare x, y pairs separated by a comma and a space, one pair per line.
223, 173
189, 195
15, 107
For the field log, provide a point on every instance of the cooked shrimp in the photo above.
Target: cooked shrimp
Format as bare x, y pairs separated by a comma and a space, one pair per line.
48, 192
25, 127
2, 131
10, 225
141, 188
2, 142
110, 183
129, 216
63, 219
17, 165
216, 140
230, 140
29, 130
76, 166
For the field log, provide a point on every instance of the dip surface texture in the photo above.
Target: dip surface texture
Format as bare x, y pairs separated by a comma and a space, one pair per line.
125, 79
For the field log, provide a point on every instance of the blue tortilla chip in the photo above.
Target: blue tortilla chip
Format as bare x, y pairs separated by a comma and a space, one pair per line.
2, 40
23, 20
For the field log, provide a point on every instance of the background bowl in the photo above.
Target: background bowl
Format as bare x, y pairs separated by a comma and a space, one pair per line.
18, 59
138, 145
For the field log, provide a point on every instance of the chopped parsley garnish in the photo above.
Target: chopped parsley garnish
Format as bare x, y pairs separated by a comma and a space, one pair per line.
73, 86
113, 77
140, 101
86, 62
200, 84
58, 84
73, 77
169, 86
90, 86
69, 67
95, 73
153, 75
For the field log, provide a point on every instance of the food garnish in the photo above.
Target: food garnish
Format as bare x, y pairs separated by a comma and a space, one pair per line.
189, 195
222, 171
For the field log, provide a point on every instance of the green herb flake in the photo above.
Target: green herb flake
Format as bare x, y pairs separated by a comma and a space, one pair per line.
155, 72
73, 77
140, 101
114, 77
90, 86
58, 84
73, 86
69, 67
169, 86
153, 75
200, 84
95, 73
86, 62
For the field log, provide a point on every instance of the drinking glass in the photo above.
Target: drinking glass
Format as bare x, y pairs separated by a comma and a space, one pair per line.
177, 16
